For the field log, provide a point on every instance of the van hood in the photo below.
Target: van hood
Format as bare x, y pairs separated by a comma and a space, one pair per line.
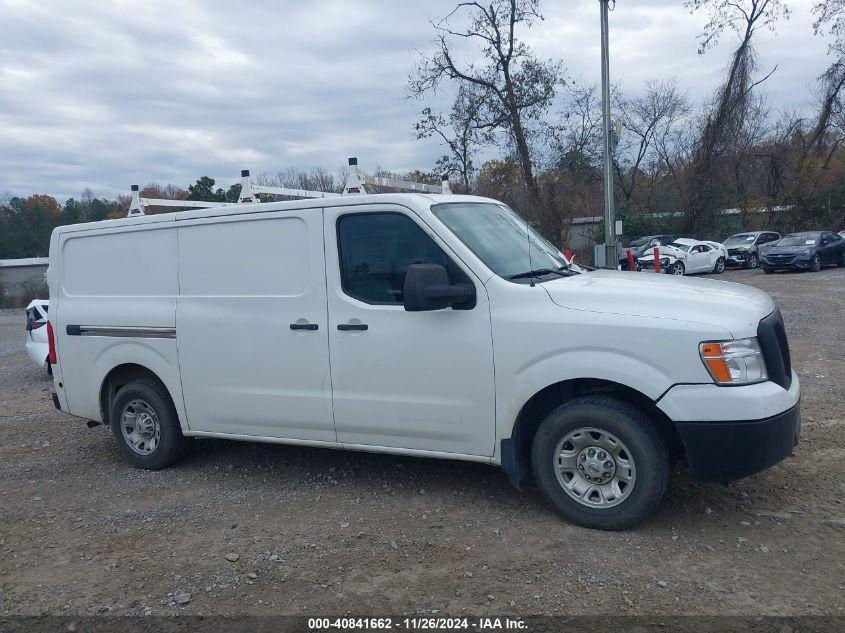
736, 308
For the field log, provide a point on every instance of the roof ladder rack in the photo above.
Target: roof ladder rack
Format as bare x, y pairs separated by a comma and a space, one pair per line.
356, 183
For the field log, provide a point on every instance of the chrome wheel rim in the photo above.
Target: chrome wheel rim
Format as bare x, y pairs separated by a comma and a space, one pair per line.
678, 269
140, 427
594, 467
752, 261
720, 266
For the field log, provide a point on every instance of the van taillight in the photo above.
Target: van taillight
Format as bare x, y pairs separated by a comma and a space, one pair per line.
51, 340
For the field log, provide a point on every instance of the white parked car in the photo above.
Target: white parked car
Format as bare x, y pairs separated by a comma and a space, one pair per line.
425, 325
686, 256
36, 332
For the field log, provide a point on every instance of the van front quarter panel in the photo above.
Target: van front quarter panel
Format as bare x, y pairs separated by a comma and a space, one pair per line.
538, 343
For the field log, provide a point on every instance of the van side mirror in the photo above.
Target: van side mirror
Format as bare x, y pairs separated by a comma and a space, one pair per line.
427, 288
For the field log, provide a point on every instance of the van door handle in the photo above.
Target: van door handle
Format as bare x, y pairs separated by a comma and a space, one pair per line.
304, 326
344, 327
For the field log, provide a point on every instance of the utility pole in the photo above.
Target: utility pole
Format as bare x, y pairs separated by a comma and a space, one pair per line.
607, 124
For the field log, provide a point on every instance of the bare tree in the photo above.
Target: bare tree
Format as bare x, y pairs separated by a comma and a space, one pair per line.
517, 87
578, 137
729, 111
644, 120
458, 130
821, 143
830, 16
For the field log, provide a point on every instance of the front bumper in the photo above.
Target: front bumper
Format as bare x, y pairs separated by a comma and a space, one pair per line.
796, 263
737, 259
726, 451
733, 432
647, 264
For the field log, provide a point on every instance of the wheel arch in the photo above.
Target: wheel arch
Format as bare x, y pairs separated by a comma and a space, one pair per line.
121, 375
516, 449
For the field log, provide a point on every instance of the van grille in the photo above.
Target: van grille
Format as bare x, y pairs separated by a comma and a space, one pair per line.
772, 338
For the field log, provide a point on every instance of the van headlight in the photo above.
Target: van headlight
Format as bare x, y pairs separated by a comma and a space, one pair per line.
738, 362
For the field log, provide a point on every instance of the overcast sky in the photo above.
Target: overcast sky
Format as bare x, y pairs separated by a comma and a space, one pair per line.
103, 94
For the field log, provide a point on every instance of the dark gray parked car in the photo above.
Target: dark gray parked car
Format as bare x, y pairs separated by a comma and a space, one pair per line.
811, 250
744, 249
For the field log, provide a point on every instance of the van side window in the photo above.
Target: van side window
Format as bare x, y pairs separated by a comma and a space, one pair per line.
375, 250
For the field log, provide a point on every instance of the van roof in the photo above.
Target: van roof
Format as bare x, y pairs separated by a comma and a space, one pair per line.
414, 200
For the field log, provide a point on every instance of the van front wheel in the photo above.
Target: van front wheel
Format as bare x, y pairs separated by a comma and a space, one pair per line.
601, 462
145, 425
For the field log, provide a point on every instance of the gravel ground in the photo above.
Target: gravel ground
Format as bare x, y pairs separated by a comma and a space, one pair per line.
265, 529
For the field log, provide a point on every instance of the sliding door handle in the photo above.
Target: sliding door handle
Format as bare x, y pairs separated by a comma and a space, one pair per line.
304, 326
345, 327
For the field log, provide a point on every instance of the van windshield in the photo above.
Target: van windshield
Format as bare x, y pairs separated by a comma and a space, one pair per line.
507, 244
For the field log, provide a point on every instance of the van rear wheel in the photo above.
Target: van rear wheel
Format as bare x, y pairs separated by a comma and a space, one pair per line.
145, 425
600, 462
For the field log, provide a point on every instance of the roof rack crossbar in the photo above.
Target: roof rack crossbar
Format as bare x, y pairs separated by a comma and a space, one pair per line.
250, 191
357, 182
199, 204
138, 204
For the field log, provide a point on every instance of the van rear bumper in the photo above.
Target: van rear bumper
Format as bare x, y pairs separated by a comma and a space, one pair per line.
726, 451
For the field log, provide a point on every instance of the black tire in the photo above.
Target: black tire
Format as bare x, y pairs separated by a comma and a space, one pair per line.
719, 268
753, 262
171, 444
768, 271
633, 428
816, 266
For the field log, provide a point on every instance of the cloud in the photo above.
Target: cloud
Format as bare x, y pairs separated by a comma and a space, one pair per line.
105, 94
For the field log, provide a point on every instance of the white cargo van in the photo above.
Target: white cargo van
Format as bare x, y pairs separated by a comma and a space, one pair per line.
426, 325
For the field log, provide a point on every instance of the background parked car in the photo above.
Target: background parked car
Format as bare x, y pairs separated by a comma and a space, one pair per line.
686, 256
37, 347
810, 250
744, 248
641, 246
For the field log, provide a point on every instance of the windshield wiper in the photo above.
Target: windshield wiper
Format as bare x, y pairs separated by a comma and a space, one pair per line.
562, 271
